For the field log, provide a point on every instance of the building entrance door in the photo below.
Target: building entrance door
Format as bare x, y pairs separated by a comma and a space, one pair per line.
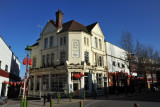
75, 89
3, 91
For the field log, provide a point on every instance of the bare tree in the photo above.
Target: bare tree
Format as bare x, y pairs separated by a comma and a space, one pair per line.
126, 42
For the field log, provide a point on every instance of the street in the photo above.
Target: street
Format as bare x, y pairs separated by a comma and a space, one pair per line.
144, 100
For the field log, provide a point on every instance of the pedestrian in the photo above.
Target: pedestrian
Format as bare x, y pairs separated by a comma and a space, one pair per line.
44, 99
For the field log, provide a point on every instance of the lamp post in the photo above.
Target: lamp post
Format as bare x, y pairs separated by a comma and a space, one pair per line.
26, 61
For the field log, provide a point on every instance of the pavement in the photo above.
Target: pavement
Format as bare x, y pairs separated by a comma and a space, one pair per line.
144, 100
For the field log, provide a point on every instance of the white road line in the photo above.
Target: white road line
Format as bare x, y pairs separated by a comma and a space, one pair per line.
92, 103
4, 105
7, 104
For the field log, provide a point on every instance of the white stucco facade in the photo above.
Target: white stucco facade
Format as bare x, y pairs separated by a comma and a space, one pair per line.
9, 64
116, 55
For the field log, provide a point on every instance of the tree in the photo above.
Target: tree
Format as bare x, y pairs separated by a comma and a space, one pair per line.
126, 42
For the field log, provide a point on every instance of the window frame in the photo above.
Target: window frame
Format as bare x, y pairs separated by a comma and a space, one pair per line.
6, 68
86, 57
113, 63
34, 62
0, 64
51, 44
85, 40
100, 44
95, 42
45, 43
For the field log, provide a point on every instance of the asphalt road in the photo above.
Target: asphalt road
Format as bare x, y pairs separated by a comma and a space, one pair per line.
147, 100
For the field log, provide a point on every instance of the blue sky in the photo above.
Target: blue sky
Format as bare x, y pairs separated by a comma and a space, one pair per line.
19, 20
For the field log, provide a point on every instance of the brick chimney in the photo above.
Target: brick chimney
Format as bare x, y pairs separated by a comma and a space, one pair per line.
59, 19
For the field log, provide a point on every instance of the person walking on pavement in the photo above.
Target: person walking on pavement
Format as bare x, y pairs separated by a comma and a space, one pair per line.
44, 100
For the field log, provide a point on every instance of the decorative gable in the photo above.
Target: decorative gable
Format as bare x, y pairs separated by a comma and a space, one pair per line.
97, 30
49, 28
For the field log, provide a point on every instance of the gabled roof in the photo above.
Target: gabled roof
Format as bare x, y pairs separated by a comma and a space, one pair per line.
91, 26
35, 44
53, 22
73, 26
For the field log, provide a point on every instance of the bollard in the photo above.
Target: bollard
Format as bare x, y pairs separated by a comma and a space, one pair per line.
22, 102
136, 105
27, 104
84, 95
51, 103
81, 103
70, 97
58, 98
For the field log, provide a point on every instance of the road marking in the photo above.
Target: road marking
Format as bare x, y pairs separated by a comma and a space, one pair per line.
8, 103
92, 103
4, 105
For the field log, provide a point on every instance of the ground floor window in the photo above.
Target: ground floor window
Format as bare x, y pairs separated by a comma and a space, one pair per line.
86, 81
37, 85
45, 83
99, 81
59, 82
32, 82
3, 90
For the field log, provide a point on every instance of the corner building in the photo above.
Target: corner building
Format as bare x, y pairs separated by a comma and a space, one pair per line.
65, 49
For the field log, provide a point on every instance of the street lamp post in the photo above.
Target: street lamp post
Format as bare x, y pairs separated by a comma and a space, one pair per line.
26, 61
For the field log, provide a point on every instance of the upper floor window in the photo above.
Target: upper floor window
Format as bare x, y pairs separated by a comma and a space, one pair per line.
64, 40
45, 43
114, 63
100, 44
86, 57
123, 66
62, 57
0, 63
43, 60
118, 64
47, 60
34, 62
6, 68
61, 41
99, 81
100, 61
85, 40
95, 41
51, 41
52, 59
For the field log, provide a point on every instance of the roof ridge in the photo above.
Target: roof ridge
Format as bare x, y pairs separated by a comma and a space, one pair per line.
79, 23
92, 24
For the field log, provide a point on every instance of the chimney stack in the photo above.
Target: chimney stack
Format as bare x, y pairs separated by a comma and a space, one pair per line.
59, 18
